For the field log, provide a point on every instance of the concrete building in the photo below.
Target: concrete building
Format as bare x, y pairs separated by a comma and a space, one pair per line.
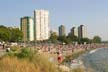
41, 25
62, 30
27, 27
82, 32
74, 31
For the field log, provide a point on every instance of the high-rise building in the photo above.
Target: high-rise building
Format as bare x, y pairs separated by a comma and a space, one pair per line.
41, 25
82, 32
27, 27
62, 30
74, 31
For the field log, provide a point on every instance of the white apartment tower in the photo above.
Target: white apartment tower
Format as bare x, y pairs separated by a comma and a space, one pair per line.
41, 25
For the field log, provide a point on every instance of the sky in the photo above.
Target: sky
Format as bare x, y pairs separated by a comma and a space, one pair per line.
91, 13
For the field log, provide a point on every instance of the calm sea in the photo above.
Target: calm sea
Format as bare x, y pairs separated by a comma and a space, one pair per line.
97, 60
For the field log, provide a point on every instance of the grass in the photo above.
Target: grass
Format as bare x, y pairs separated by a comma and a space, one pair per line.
78, 70
13, 64
25, 60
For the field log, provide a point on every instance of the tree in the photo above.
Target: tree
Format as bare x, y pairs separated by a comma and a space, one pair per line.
72, 37
53, 37
75, 39
96, 39
84, 40
68, 40
4, 33
16, 35
10, 34
64, 39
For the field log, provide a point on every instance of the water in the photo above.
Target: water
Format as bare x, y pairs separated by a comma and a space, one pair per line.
97, 60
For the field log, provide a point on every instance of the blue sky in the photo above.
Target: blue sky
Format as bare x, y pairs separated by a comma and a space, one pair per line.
91, 13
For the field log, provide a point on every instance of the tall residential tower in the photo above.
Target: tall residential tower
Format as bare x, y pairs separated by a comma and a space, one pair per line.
82, 32
74, 31
62, 30
41, 25
27, 27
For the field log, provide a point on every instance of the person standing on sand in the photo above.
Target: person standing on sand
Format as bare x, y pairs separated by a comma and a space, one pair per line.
59, 58
3, 46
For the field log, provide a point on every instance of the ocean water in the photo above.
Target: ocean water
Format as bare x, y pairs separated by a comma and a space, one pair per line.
97, 60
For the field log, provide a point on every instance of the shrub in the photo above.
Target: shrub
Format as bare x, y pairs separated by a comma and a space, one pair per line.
15, 48
24, 53
26, 60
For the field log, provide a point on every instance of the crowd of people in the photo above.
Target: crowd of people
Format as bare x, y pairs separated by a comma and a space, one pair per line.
52, 48
61, 50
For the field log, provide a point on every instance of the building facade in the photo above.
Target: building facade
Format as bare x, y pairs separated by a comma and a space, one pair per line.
82, 32
27, 28
41, 25
74, 31
62, 30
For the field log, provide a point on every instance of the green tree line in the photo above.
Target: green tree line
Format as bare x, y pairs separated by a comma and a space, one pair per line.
54, 38
10, 34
